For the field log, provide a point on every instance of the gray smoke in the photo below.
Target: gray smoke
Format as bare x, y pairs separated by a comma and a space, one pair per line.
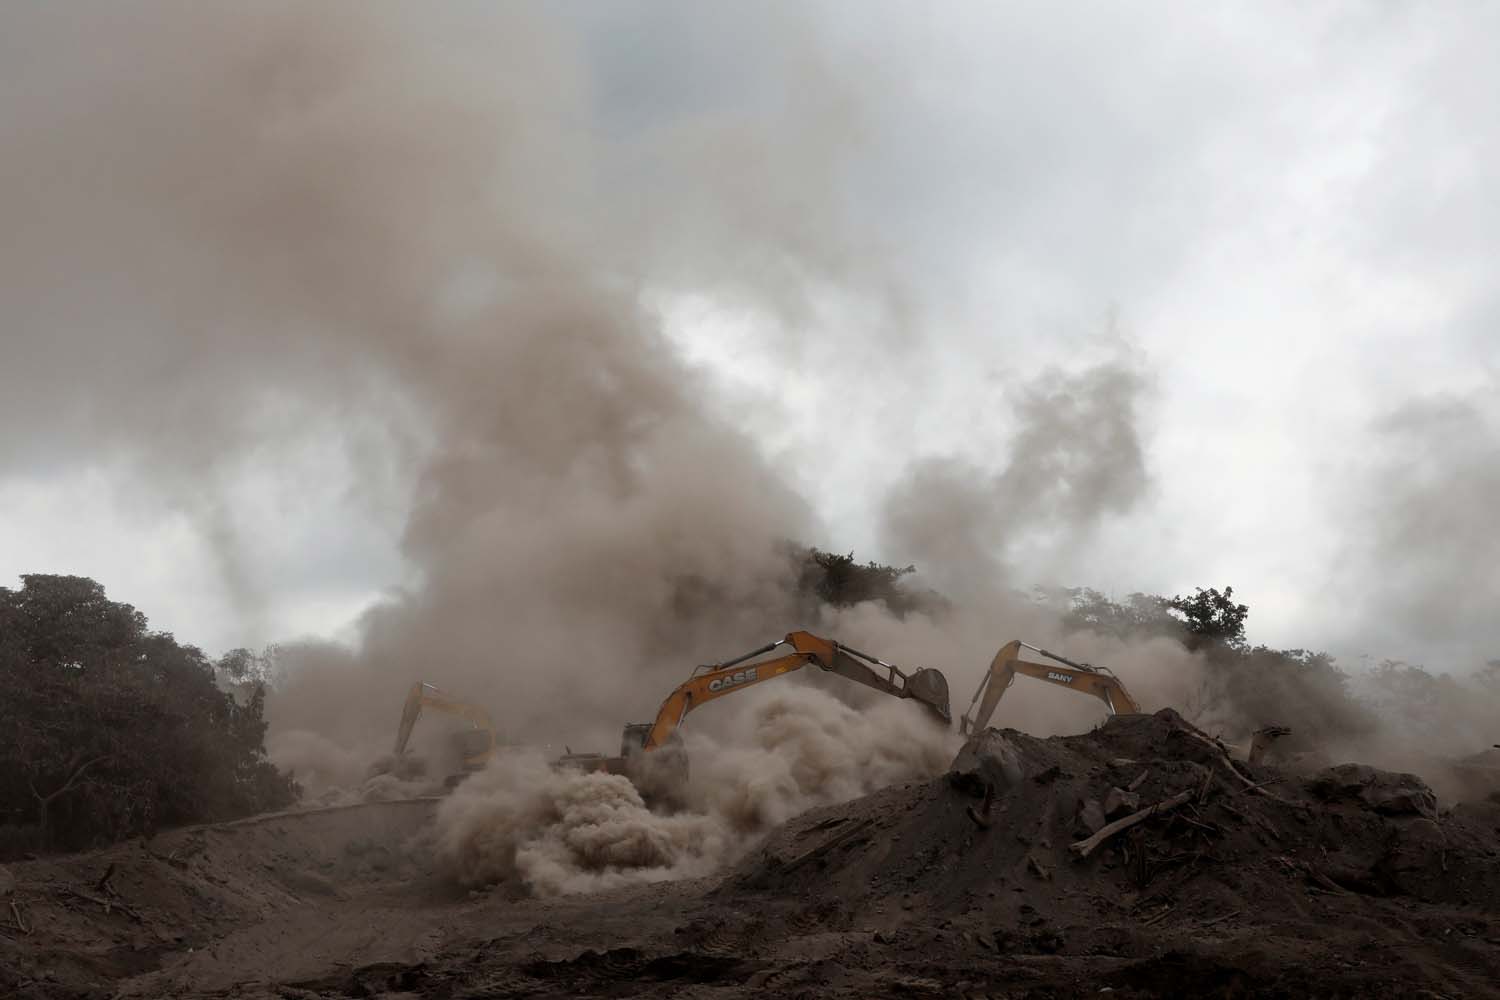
428, 245
234, 229
1427, 554
1073, 457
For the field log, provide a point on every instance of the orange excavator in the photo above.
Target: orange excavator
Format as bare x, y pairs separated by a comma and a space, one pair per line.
1063, 672
651, 753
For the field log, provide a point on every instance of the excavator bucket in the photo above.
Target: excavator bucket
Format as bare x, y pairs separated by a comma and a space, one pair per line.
930, 687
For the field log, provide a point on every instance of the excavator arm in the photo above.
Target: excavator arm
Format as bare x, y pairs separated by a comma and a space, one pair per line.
1082, 677
928, 686
423, 695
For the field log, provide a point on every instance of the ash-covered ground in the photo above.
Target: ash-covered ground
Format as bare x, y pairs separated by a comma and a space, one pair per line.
981, 882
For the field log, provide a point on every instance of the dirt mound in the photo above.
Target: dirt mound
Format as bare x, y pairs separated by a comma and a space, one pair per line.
1002, 846
83, 918
1003, 877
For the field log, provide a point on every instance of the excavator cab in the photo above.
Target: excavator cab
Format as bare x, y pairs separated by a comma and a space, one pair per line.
634, 737
661, 776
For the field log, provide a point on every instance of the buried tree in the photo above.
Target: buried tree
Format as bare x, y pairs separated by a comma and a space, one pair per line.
108, 729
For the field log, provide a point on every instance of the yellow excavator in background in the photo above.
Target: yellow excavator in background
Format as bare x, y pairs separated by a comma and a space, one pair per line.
651, 753
476, 745
1082, 677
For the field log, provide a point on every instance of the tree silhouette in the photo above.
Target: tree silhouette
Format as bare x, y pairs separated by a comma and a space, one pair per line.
108, 729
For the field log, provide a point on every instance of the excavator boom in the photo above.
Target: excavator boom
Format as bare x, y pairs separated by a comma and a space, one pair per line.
927, 686
1096, 681
652, 754
423, 695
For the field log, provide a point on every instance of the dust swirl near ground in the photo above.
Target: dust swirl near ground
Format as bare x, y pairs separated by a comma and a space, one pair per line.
556, 831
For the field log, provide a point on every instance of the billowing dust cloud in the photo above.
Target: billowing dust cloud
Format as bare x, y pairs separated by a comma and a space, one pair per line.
1074, 458
397, 231
425, 242
558, 831
1426, 548
567, 831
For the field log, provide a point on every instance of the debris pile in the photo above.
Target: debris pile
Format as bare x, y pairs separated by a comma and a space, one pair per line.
1104, 843
1138, 859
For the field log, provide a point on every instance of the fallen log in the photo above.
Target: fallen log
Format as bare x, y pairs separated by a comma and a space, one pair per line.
1084, 848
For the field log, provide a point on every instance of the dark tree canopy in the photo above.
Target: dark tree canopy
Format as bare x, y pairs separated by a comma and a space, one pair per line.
840, 581
1140, 616
1206, 618
1209, 616
108, 729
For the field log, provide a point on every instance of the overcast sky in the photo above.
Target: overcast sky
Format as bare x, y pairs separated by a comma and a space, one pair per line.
872, 230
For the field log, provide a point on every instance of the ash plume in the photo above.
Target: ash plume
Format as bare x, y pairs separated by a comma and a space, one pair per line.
386, 227
1427, 553
424, 240
1075, 456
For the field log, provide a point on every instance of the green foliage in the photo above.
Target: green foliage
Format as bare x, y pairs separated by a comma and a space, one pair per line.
839, 581
109, 729
1210, 616
1201, 620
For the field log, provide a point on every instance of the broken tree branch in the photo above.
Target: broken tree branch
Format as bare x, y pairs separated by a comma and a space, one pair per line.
827, 845
109, 905
1208, 780
1250, 785
1221, 918
1084, 848
1158, 916
1208, 827
15, 911
1259, 785
66, 785
1324, 882
981, 816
